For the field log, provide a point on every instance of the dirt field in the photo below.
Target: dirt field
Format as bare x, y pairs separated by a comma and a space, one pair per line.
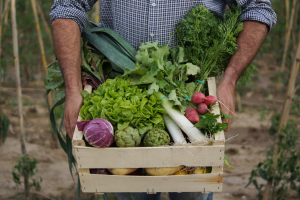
244, 151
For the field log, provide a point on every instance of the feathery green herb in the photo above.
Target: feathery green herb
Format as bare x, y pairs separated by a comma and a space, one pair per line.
209, 42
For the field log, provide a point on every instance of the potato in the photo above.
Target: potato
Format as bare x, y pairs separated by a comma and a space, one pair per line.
122, 171
199, 170
181, 172
163, 171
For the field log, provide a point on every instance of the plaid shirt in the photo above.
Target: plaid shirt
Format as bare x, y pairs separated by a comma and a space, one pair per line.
149, 20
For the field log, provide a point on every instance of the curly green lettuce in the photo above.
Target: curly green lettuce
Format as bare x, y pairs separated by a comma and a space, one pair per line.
123, 104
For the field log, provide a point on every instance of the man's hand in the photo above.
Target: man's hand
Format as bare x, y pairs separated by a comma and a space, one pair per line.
225, 94
72, 108
66, 39
249, 42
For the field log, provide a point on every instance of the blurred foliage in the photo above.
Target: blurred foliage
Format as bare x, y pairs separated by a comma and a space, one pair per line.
274, 42
4, 123
284, 166
263, 110
29, 51
295, 108
26, 167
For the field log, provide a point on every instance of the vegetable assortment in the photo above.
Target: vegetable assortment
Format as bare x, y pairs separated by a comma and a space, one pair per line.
122, 104
154, 96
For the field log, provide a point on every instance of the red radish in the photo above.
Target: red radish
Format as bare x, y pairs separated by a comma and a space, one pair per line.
210, 100
198, 98
192, 115
202, 109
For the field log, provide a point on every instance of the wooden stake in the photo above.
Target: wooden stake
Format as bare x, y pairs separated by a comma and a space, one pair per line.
286, 109
287, 37
18, 84
33, 3
287, 15
294, 31
97, 12
6, 15
6, 5
44, 20
1, 9
17, 69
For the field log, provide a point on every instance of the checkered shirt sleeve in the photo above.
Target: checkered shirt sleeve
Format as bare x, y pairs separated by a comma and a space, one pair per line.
256, 10
72, 9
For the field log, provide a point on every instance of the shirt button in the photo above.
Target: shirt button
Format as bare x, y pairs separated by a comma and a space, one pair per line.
152, 35
153, 4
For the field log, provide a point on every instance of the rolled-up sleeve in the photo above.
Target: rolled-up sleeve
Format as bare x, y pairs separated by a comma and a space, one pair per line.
72, 9
257, 10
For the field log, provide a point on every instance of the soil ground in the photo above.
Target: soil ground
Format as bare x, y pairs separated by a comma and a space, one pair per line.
246, 143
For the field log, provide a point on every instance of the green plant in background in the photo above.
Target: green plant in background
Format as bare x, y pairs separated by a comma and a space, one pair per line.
295, 109
284, 167
4, 123
26, 167
263, 111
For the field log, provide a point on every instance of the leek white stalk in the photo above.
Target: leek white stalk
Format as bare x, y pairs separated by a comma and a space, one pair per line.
192, 132
174, 130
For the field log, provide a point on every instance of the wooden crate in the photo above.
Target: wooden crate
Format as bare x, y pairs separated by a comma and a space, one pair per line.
150, 157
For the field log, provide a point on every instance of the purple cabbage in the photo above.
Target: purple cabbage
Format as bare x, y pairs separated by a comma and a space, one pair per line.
97, 132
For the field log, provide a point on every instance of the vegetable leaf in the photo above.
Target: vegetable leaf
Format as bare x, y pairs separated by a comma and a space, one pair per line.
226, 162
209, 124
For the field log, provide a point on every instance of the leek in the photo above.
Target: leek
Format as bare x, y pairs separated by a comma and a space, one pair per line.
194, 134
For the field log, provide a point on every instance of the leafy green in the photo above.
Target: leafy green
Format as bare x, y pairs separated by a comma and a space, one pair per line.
247, 75
209, 124
209, 42
225, 116
4, 123
55, 80
26, 167
226, 162
165, 70
123, 104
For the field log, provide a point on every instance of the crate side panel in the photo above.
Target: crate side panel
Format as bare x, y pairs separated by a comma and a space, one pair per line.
78, 135
92, 183
143, 157
219, 137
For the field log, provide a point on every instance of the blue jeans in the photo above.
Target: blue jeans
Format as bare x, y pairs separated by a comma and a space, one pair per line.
172, 195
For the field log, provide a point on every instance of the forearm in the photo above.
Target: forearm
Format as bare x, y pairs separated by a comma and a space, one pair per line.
66, 39
249, 42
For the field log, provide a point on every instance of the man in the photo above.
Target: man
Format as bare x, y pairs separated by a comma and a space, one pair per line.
149, 20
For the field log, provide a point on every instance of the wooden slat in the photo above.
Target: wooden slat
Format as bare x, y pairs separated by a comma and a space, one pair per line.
143, 157
217, 169
212, 89
92, 183
78, 134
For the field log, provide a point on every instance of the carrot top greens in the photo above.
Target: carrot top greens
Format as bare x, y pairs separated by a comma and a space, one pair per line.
209, 42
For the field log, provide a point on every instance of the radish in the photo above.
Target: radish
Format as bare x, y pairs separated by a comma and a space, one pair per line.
198, 98
202, 109
192, 115
210, 100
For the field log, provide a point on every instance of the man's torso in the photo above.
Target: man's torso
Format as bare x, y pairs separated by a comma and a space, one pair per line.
150, 20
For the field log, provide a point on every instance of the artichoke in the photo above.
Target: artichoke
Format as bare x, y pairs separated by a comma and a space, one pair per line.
156, 137
128, 137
